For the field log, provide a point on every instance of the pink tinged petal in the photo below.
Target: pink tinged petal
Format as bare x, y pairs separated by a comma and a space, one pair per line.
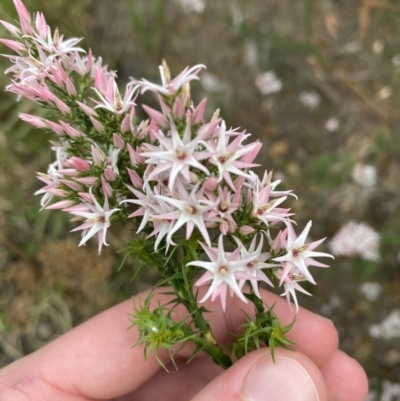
97, 124
159, 118
33, 120
73, 185
189, 229
303, 236
41, 26
199, 112
246, 230
106, 187
91, 181
96, 227
58, 192
70, 87
118, 141
79, 163
210, 184
110, 175
11, 28
81, 208
61, 205
86, 197
312, 262
314, 244
214, 285
101, 240
87, 110
97, 155
69, 172
250, 156
126, 122
13, 45
132, 155
72, 132
204, 279
221, 292
55, 127
178, 109
166, 110
63, 107
136, 180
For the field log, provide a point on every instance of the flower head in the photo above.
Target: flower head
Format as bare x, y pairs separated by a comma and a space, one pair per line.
299, 254
97, 221
223, 271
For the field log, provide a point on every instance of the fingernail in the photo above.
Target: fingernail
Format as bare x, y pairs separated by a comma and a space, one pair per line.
284, 380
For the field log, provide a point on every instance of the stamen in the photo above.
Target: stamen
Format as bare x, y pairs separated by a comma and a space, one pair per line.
223, 270
191, 210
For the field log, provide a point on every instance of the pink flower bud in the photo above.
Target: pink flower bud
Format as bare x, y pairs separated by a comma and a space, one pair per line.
11, 28
70, 87
210, 183
126, 124
63, 107
33, 120
110, 175
79, 163
166, 110
199, 112
87, 110
107, 189
118, 141
194, 178
86, 197
97, 156
60, 205
41, 26
70, 172
246, 230
55, 127
178, 109
13, 45
73, 185
79, 208
158, 118
97, 124
57, 192
72, 132
224, 227
136, 180
91, 181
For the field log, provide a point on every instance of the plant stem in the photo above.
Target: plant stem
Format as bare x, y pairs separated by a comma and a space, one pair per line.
206, 341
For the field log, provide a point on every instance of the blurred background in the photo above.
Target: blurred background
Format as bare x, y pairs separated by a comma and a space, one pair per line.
316, 80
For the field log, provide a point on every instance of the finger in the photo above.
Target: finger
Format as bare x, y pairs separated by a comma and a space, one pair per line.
177, 384
337, 373
95, 360
256, 377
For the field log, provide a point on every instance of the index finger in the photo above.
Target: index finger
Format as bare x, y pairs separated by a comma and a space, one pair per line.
95, 360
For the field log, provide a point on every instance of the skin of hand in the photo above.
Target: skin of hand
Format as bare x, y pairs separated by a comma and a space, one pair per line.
96, 361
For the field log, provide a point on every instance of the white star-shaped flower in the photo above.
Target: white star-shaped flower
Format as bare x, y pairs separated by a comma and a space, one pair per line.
223, 270
299, 254
97, 221
226, 155
176, 154
256, 264
191, 211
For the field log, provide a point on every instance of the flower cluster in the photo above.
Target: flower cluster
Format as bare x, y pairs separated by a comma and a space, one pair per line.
356, 239
182, 180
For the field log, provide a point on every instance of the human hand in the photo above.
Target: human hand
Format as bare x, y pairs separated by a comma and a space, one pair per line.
95, 361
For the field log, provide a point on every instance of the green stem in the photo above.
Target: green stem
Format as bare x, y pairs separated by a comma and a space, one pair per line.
206, 341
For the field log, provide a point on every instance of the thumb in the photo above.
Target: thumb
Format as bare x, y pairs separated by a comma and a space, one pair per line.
256, 377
